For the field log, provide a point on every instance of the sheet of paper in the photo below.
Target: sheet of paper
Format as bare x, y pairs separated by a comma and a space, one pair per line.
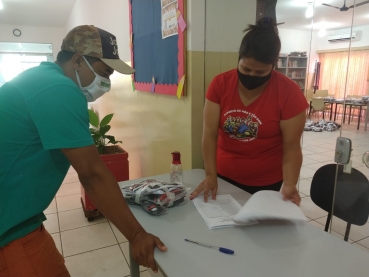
169, 26
153, 85
181, 23
267, 204
133, 85
218, 213
180, 86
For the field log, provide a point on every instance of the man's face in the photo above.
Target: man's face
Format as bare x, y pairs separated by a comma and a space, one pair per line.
87, 76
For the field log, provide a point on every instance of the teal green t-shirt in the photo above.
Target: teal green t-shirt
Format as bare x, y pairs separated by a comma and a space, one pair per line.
41, 112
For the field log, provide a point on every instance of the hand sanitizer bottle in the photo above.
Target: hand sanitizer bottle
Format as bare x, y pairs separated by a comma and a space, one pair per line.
176, 168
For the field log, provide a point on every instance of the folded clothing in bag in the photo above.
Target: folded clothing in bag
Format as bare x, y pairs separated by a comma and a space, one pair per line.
155, 196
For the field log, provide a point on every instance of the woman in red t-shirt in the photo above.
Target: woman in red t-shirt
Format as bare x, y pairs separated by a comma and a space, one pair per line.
254, 117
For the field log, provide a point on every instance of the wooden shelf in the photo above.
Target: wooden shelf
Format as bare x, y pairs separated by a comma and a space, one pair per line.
300, 67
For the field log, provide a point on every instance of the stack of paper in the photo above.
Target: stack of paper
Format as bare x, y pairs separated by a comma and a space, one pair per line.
218, 213
270, 205
263, 205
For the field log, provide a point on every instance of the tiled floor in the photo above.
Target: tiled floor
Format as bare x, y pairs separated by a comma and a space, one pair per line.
318, 150
98, 249
90, 248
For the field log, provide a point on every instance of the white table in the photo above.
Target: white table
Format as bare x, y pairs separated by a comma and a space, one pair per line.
273, 248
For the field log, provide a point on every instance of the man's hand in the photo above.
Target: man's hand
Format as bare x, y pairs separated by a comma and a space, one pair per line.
291, 193
101, 186
143, 245
210, 183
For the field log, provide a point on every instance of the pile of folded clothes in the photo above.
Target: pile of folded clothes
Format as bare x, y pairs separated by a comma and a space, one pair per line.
155, 196
321, 126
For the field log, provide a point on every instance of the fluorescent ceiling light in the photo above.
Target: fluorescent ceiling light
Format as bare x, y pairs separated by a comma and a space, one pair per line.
322, 32
1, 5
309, 11
327, 25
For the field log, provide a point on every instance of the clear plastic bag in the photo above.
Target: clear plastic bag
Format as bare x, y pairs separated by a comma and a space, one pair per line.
156, 196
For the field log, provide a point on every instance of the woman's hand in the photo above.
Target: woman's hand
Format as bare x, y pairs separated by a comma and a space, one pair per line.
291, 193
210, 183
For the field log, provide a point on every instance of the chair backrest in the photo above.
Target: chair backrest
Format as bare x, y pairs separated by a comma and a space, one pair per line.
318, 104
352, 193
321, 93
309, 94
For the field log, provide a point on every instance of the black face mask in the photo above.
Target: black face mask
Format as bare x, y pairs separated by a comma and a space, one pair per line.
253, 82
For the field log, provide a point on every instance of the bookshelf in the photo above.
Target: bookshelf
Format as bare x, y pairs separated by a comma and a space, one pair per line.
294, 67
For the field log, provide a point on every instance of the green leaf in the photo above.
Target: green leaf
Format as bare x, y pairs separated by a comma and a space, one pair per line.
94, 119
104, 130
112, 140
105, 121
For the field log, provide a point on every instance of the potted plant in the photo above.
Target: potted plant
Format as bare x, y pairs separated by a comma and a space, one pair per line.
113, 156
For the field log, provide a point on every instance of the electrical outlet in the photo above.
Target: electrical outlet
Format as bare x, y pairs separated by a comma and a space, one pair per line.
343, 150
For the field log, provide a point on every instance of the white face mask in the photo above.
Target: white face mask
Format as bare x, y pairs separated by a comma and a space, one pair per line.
97, 88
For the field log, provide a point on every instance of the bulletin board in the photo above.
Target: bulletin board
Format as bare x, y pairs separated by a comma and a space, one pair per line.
159, 62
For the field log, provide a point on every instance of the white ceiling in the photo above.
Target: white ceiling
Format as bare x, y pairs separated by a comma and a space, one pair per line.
46, 13
55, 13
293, 13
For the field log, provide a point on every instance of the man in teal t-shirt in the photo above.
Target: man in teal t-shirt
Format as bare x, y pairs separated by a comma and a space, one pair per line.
44, 128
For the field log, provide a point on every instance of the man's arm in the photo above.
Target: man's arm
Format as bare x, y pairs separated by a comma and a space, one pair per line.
102, 188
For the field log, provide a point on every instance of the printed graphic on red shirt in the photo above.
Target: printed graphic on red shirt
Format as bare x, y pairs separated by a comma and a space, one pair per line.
243, 128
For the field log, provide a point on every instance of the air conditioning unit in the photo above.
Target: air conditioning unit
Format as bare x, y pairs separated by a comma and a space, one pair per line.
344, 37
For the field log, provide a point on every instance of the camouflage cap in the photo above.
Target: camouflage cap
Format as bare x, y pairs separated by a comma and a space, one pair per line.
94, 42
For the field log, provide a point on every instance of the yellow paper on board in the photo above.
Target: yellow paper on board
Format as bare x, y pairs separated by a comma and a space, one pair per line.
178, 13
180, 86
133, 85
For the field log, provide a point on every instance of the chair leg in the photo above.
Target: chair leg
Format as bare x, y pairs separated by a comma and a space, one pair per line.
348, 227
328, 222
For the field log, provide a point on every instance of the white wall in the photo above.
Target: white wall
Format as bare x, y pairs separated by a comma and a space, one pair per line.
110, 15
195, 25
298, 40
225, 22
324, 44
34, 34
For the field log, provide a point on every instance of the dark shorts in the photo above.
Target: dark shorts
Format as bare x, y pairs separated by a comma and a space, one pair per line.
252, 189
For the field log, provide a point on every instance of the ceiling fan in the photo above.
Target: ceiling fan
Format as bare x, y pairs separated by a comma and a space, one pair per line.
344, 8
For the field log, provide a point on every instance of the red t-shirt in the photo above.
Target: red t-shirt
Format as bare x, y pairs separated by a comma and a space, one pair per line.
249, 148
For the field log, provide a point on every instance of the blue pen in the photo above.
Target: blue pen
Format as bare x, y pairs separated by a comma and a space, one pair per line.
221, 249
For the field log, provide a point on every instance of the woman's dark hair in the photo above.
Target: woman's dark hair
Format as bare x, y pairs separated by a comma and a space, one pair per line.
261, 42
66, 56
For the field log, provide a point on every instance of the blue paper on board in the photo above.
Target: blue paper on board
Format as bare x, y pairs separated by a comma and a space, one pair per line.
153, 56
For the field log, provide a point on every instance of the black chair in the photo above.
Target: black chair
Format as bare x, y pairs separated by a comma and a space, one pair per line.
352, 195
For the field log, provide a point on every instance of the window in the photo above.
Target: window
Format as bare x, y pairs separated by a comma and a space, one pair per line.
334, 68
17, 57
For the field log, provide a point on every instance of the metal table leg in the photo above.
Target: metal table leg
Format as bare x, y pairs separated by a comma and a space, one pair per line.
330, 116
349, 120
335, 112
366, 116
135, 268
358, 120
344, 112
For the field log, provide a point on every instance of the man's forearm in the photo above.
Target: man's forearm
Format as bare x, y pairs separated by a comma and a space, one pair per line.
105, 193
292, 161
